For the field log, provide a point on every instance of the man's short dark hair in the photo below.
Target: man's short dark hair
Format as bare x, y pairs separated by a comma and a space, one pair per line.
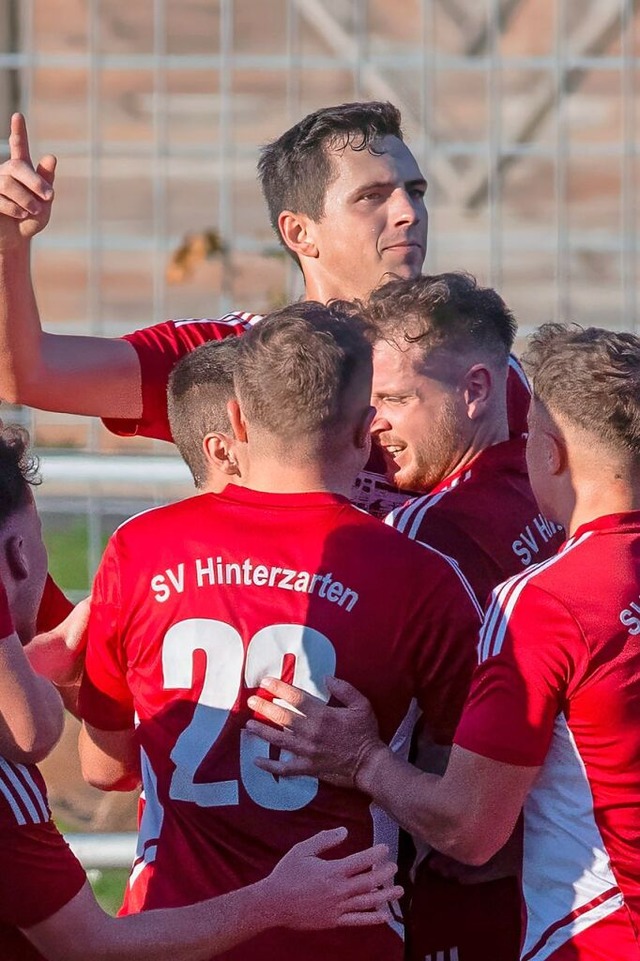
298, 368
591, 377
18, 470
200, 385
296, 169
449, 311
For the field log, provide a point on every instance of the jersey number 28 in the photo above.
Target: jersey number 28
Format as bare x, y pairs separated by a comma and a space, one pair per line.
227, 665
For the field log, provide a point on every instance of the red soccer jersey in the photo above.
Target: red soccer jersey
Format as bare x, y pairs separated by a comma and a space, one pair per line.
54, 606
485, 517
39, 873
558, 685
193, 604
161, 346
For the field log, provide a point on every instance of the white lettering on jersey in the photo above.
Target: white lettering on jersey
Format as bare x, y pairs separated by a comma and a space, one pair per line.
630, 617
532, 538
209, 572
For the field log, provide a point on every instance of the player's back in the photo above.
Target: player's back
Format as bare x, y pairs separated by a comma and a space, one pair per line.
219, 591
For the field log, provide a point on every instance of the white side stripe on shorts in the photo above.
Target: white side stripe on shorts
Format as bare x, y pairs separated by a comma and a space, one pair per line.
22, 793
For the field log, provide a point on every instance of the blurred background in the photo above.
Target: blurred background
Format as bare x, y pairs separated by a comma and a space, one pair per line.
522, 113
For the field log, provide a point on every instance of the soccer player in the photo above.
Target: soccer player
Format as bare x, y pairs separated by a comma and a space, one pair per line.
47, 909
194, 602
553, 718
200, 388
439, 387
346, 198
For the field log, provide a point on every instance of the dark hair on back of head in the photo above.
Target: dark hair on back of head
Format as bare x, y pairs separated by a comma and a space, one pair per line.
447, 310
200, 385
297, 369
18, 470
296, 169
590, 377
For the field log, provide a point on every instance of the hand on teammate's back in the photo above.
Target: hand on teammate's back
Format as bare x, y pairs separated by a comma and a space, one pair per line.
307, 892
328, 742
26, 192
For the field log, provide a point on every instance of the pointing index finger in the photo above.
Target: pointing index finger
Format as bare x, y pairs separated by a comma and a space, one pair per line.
19, 139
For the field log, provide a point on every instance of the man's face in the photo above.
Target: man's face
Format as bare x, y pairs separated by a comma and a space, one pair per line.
374, 223
540, 457
420, 420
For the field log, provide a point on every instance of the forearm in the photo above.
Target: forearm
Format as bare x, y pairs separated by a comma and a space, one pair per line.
31, 711
194, 932
96, 376
422, 804
110, 760
81, 929
21, 374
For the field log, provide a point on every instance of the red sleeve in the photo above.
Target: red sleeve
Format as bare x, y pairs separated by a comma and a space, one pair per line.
6, 621
54, 607
105, 700
159, 348
447, 654
518, 398
39, 873
531, 651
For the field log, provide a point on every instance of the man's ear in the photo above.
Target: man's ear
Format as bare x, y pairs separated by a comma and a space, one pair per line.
16, 557
556, 453
296, 234
477, 387
363, 428
218, 452
237, 421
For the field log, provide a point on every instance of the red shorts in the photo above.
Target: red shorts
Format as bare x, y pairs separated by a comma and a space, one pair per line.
448, 921
611, 939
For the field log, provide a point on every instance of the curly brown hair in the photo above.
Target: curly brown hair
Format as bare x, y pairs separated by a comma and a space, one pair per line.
18, 469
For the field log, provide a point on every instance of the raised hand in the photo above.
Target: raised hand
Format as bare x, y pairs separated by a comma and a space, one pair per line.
307, 892
26, 192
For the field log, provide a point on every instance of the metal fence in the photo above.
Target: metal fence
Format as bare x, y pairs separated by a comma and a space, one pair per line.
522, 113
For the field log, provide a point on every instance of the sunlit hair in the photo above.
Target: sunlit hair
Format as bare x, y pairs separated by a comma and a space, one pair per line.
298, 370
296, 169
591, 378
448, 311
200, 386
18, 470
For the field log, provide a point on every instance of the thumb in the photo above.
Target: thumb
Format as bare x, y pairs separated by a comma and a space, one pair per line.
345, 692
47, 168
322, 841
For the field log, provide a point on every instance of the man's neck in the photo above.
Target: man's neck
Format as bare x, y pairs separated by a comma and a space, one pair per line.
278, 477
597, 497
488, 435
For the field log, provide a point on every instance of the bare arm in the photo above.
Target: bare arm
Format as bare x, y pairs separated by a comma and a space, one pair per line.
304, 891
82, 375
469, 813
110, 760
31, 712
59, 654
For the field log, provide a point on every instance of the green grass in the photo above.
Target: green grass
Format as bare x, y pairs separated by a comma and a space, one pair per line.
108, 887
68, 548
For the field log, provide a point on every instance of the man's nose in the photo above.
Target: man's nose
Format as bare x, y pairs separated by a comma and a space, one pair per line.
379, 424
405, 209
